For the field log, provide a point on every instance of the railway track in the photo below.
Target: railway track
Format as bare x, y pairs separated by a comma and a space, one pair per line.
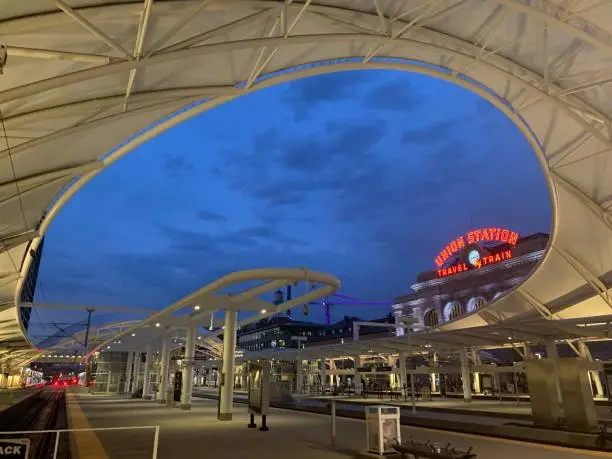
45, 410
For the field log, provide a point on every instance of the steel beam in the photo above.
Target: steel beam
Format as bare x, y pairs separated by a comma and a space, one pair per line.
53, 54
138, 47
91, 28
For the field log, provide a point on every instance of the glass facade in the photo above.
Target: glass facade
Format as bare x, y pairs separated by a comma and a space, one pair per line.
29, 285
272, 337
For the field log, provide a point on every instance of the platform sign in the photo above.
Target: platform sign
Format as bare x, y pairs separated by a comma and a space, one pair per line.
259, 387
15, 448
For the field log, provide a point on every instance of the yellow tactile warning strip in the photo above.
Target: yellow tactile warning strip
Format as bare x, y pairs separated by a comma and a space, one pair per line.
87, 443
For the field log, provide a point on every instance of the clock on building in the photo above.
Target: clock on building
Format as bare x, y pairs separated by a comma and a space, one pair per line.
474, 258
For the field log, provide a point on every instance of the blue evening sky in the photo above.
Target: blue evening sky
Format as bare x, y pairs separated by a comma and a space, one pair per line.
365, 175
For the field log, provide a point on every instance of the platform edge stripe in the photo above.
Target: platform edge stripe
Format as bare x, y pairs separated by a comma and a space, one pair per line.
87, 443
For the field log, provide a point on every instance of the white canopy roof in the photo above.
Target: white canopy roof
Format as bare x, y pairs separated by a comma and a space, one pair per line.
83, 79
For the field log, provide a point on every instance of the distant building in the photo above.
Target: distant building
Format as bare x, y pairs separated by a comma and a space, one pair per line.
29, 285
471, 271
275, 332
342, 331
281, 332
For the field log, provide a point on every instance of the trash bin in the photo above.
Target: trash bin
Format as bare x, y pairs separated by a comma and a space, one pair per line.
382, 428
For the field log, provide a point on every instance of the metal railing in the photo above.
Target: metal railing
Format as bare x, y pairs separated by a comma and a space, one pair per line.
58, 432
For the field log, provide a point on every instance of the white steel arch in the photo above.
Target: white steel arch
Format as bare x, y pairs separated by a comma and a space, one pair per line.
82, 76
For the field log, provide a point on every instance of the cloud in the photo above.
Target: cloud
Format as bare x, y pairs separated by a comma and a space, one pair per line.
177, 165
208, 216
433, 133
191, 259
342, 164
395, 95
268, 234
305, 95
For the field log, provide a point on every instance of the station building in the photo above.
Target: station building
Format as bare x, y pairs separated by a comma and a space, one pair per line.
471, 271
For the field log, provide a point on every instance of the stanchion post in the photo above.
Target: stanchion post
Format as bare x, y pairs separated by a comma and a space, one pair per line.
412, 392
264, 426
155, 442
252, 424
333, 423
56, 447
518, 399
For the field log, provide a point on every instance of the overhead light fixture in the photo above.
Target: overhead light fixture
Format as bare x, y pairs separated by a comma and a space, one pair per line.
196, 307
133, 334
263, 311
158, 324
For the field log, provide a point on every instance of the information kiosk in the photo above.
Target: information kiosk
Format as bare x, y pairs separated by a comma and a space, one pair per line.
259, 392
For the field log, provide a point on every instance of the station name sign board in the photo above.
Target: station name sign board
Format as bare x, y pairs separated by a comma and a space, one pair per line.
476, 236
475, 261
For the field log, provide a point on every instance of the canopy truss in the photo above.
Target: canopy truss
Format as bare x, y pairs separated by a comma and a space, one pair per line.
82, 81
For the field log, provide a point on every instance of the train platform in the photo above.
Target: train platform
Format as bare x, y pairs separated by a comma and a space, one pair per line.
197, 433
10, 397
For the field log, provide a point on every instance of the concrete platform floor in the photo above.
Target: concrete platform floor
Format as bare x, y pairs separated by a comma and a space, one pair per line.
197, 434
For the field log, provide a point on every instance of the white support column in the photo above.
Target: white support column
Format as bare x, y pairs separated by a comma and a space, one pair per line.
323, 375
128, 373
298, 376
551, 353
465, 375
476, 375
434, 365
593, 374
187, 383
163, 373
599, 392
146, 383
403, 375
357, 376
136, 371
229, 349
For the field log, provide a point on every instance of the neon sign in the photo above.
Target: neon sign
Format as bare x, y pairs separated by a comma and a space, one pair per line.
474, 237
475, 260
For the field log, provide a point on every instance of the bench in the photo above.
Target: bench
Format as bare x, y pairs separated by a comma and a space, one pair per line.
430, 450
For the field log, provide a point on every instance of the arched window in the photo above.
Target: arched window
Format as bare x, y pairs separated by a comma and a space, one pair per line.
498, 295
475, 303
452, 310
430, 319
